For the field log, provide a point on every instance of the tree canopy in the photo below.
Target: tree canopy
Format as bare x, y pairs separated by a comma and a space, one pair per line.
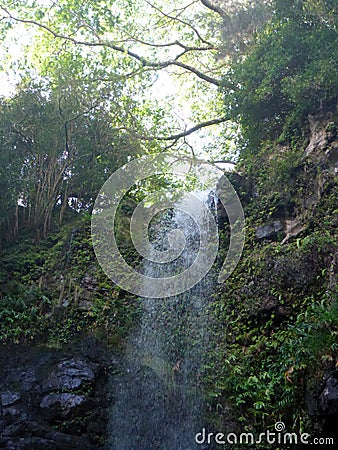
100, 82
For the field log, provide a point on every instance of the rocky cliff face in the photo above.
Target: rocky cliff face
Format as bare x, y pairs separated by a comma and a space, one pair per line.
54, 399
273, 324
316, 168
276, 323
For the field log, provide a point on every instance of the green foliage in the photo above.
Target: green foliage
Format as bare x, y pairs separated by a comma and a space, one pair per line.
64, 163
316, 334
44, 296
289, 72
23, 317
78, 116
274, 329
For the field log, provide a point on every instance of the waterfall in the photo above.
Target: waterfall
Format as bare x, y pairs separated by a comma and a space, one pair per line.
157, 400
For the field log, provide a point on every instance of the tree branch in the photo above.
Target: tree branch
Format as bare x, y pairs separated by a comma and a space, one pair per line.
214, 8
118, 48
191, 130
192, 69
168, 44
183, 22
178, 136
224, 161
183, 134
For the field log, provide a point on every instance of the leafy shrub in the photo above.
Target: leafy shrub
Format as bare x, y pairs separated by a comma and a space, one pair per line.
23, 319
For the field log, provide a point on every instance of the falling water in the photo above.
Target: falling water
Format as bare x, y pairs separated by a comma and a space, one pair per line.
157, 399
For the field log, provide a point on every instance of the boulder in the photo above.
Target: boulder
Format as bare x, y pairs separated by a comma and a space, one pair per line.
62, 405
9, 398
43, 398
65, 400
69, 375
328, 399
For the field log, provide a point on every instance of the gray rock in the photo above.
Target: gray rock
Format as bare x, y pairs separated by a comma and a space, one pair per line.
28, 379
89, 282
311, 404
65, 401
69, 375
9, 398
49, 440
43, 395
270, 230
12, 411
25, 378
25, 434
328, 400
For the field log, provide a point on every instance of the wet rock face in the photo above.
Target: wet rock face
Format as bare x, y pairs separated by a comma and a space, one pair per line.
324, 400
328, 400
322, 403
9, 398
270, 230
60, 405
69, 374
287, 227
53, 399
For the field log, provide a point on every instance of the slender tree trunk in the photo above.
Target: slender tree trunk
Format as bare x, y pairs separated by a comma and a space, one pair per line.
63, 205
16, 222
